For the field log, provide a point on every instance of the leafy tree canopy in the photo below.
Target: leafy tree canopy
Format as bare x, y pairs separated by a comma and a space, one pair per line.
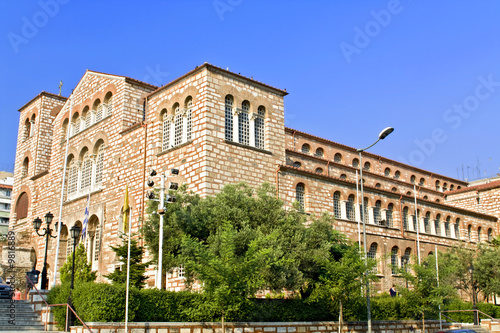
83, 270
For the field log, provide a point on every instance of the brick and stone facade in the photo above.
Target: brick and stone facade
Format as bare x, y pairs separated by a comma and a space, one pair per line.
217, 128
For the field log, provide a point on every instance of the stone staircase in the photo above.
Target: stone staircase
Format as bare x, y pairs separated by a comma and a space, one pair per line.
19, 316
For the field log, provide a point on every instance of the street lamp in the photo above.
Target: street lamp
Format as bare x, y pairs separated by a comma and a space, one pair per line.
74, 233
37, 223
474, 306
385, 132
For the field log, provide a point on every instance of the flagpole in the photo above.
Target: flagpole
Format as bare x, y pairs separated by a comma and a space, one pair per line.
357, 204
62, 189
418, 223
129, 224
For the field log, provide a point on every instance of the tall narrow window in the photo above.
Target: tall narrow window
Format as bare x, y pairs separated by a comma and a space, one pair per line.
72, 178
99, 165
394, 260
97, 242
86, 172
351, 214
337, 158
490, 235
189, 119
406, 258
259, 127
372, 254
376, 212
457, 228
469, 232
437, 225
412, 179
388, 215
365, 211
447, 226
178, 128
165, 131
405, 218
99, 113
479, 230
109, 107
26, 165
427, 227
416, 222
229, 117
300, 194
243, 124
88, 117
336, 204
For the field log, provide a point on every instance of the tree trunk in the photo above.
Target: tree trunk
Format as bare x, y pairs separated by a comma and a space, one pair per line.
223, 327
341, 316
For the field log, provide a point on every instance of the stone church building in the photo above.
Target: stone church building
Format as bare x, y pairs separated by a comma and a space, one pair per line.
217, 128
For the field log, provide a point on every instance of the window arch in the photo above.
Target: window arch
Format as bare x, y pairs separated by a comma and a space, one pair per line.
165, 129
300, 190
378, 185
306, 148
27, 129
87, 117
405, 218
98, 110
376, 212
394, 260
259, 127
365, 211
343, 176
457, 228
320, 152
75, 124
337, 158
336, 204
388, 215
355, 163
437, 224
244, 124
228, 112
447, 227
372, 254
297, 164
438, 185
427, 227
64, 130
421, 182
397, 174
405, 260
490, 235
189, 117
108, 104
394, 189
412, 179
26, 165
22, 205
387, 172
367, 166
479, 230
72, 177
452, 187
86, 172
351, 215
319, 170
177, 124
445, 187
99, 165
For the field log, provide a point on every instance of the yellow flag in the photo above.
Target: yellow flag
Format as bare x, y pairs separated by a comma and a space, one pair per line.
126, 210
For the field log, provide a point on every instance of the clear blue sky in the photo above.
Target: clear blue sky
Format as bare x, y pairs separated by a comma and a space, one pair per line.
430, 69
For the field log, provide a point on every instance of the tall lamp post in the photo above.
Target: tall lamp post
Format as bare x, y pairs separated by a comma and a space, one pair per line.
474, 305
385, 132
47, 232
75, 233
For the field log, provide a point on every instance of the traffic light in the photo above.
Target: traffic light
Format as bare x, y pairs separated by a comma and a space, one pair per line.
150, 194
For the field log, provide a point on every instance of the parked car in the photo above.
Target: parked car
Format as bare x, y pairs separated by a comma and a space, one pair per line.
5, 291
458, 330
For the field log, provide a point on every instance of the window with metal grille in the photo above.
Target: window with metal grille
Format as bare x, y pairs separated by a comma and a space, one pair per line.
97, 242
337, 158
178, 128
165, 132
244, 124
372, 254
180, 271
73, 178
427, 227
395, 260
69, 247
76, 126
88, 119
457, 228
189, 119
365, 216
109, 110
447, 227
306, 148
297, 164
437, 224
387, 172
367, 166
349, 207
259, 128
355, 163
99, 165
388, 215
300, 194
416, 222
376, 213
320, 152
336, 204
229, 117
405, 218
98, 113
86, 172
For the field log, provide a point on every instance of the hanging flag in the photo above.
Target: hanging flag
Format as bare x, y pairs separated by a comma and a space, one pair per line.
86, 218
126, 210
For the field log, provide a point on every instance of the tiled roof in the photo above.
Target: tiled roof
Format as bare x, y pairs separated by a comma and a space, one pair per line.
128, 79
43, 93
481, 187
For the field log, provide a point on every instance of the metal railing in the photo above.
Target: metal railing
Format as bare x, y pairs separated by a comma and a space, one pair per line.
475, 312
47, 306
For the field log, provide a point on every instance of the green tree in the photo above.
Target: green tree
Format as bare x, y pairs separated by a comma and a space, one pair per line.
137, 267
83, 270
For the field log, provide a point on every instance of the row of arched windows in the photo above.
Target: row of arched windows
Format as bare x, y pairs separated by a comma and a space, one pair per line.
89, 116
242, 126
177, 125
29, 127
85, 173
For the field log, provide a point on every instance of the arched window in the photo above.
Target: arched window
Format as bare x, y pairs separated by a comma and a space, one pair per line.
412, 179
297, 164
337, 158
306, 148
408, 193
394, 260
320, 152
25, 169
421, 182
336, 204
75, 124
388, 215
27, 129
447, 226
376, 212
405, 218
457, 228
394, 189
479, 230
99, 165
99, 110
244, 123
367, 166
445, 187
228, 115
22, 206
86, 172
365, 216
87, 115
349, 207
343, 176
64, 130
372, 254
490, 235
108, 105
469, 232
72, 177
426, 197
165, 130
452, 187
406, 258
416, 223
319, 170
378, 185
437, 224
459, 187
397, 174
427, 227
300, 190
178, 125
355, 163
259, 127
438, 185
189, 117
387, 172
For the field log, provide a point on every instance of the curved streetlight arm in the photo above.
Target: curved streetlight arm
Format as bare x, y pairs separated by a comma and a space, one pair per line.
44, 233
362, 150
